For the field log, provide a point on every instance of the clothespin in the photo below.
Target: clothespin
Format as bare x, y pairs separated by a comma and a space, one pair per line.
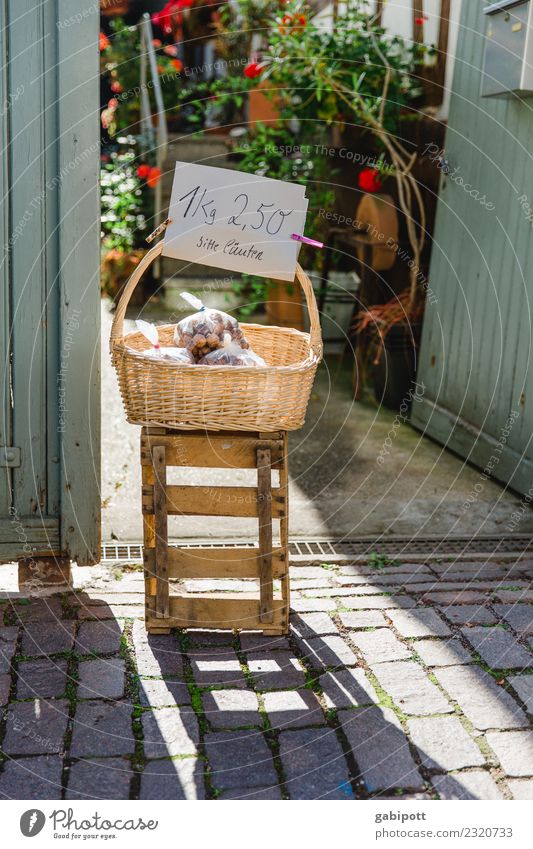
158, 230
306, 241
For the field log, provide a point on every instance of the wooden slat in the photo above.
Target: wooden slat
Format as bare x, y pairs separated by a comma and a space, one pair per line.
239, 501
225, 610
284, 522
161, 530
211, 452
216, 562
264, 515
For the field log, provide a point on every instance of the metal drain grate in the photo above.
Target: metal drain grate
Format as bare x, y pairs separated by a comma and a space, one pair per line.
329, 549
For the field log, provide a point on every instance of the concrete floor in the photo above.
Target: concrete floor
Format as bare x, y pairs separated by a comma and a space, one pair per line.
338, 487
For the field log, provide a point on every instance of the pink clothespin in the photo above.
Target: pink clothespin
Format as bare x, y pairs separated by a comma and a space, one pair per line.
306, 241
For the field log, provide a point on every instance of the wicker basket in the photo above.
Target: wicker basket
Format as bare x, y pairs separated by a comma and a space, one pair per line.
192, 397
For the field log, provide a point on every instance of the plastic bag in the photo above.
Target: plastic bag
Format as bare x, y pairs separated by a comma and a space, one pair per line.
204, 331
231, 354
175, 355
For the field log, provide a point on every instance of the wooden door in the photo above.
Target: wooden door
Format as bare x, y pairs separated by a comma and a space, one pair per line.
49, 396
476, 353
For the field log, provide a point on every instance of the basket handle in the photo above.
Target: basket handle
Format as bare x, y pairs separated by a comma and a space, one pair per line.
153, 253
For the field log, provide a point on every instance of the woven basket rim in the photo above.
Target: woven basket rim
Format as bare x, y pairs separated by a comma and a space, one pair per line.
120, 348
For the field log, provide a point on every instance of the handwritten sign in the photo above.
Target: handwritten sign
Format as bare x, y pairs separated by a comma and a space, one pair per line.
235, 221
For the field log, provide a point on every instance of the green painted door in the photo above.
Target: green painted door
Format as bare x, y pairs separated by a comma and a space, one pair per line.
476, 352
49, 396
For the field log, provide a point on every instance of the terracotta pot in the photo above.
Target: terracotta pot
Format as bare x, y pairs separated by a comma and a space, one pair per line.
378, 218
284, 307
114, 8
260, 107
116, 267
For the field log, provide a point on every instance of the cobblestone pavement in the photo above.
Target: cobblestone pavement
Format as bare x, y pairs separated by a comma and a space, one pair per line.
408, 681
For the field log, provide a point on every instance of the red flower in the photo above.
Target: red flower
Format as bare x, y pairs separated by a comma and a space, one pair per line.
170, 15
421, 20
369, 180
116, 87
143, 171
153, 177
113, 103
253, 70
171, 50
104, 41
157, 43
178, 65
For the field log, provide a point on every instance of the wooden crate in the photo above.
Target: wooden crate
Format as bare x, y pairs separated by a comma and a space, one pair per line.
267, 609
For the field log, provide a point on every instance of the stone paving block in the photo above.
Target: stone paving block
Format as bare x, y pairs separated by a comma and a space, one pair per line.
99, 637
349, 592
467, 785
36, 728
347, 688
5, 687
460, 614
378, 602
363, 619
101, 778
240, 759
482, 701
41, 679
519, 616
95, 613
314, 764
101, 679
231, 708
408, 685
102, 729
521, 789
8, 642
310, 605
179, 779
288, 709
32, 778
42, 639
443, 599
442, 652
208, 639
216, 668
329, 651
514, 750
380, 646
309, 572
38, 610
444, 744
512, 597
244, 793
259, 642
313, 624
380, 748
276, 670
498, 648
311, 584
169, 732
157, 654
523, 684
418, 623
158, 693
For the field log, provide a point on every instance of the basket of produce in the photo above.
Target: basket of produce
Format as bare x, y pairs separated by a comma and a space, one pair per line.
210, 372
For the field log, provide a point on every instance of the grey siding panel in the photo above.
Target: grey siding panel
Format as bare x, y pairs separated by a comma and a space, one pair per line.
79, 159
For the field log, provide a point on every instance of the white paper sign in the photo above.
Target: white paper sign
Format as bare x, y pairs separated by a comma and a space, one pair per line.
235, 221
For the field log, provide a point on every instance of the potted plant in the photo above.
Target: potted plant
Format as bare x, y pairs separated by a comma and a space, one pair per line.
126, 201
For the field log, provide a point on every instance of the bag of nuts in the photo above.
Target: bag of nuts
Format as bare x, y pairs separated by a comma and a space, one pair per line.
204, 331
231, 354
175, 355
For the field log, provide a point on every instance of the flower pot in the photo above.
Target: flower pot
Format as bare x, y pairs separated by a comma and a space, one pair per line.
284, 307
394, 375
260, 107
116, 267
